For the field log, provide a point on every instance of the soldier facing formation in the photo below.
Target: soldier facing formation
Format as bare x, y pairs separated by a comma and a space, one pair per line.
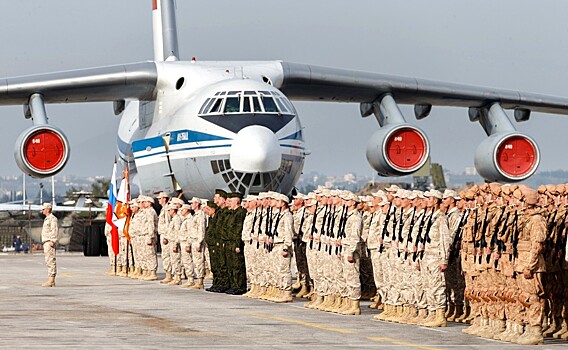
493, 255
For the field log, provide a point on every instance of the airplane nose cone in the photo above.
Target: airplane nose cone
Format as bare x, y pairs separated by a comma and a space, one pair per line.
255, 149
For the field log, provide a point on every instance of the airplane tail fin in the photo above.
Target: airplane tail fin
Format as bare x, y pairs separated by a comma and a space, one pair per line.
164, 30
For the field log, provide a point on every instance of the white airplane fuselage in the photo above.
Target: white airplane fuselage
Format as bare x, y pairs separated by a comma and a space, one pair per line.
212, 125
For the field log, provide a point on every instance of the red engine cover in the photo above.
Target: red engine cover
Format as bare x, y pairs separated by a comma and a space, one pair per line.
406, 148
44, 150
516, 156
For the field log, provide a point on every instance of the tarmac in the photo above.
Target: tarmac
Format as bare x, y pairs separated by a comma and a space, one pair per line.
91, 310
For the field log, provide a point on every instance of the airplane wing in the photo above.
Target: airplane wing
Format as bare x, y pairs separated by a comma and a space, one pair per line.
316, 83
111, 83
56, 208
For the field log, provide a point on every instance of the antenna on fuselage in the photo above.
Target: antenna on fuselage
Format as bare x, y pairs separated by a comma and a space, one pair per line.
164, 30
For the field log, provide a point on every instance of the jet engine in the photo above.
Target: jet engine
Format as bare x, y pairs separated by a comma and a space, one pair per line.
398, 149
41, 151
507, 157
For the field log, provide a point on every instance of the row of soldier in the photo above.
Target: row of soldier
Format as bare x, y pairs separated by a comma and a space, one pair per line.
474, 257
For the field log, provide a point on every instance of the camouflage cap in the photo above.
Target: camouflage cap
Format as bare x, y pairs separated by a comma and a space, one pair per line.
531, 196
163, 195
176, 200
541, 189
495, 188
434, 193
561, 189
133, 203
186, 207
46, 206
518, 194
450, 194
392, 188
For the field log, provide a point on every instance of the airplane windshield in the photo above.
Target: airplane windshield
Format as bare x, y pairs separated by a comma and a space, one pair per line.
232, 102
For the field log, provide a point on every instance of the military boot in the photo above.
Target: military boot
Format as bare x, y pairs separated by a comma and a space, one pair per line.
259, 293
553, 327
420, 315
411, 315
176, 281
50, 282
339, 301
376, 301
250, 291
563, 330
318, 300
399, 310
131, 271
384, 314
431, 316
110, 271
532, 336
451, 310
143, 275
137, 273
345, 305
464, 315
297, 284
188, 284
303, 291
483, 327
326, 299
515, 332
439, 319
505, 333
402, 315
331, 301
354, 309
151, 276
285, 297
121, 272
497, 327
277, 295
458, 311
208, 276
167, 279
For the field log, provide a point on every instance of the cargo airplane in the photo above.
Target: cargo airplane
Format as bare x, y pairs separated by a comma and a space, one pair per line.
195, 126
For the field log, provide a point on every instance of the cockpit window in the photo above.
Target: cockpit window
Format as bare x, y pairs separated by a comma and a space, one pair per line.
269, 105
227, 102
256, 104
232, 105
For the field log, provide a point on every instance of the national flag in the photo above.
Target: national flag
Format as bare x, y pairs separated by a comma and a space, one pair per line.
110, 211
121, 208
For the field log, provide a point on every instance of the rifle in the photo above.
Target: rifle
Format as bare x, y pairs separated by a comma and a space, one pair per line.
322, 227
313, 229
341, 231
560, 244
394, 223
259, 232
427, 234
253, 223
515, 238
550, 230
482, 240
330, 234
494, 236
385, 229
419, 236
456, 243
300, 233
409, 237
400, 227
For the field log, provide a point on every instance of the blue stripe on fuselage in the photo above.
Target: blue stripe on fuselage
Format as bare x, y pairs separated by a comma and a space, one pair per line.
176, 138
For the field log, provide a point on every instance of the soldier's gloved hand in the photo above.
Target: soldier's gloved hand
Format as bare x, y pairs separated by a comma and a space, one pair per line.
187, 249
198, 249
285, 253
350, 259
175, 250
52, 244
149, 242
527, 274
237, 250
164, 241
443, 267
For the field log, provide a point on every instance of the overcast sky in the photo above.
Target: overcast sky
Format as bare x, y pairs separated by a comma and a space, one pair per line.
521, 45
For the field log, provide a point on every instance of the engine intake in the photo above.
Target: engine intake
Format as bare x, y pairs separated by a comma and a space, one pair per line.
41, 151
398, 149
507, 157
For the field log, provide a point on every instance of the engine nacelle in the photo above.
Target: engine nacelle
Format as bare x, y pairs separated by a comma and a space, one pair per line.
41, 151
398, 149
507, 157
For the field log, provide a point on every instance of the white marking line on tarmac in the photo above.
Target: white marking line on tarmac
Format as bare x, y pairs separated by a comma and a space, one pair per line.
304, 323
433, 329
400, 342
